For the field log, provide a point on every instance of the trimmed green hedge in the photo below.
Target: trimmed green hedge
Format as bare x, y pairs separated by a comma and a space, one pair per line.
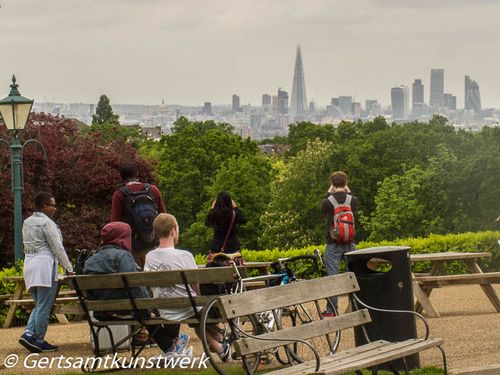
463, 242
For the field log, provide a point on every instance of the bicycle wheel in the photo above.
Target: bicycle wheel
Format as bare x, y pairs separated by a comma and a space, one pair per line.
211, 324
304, 314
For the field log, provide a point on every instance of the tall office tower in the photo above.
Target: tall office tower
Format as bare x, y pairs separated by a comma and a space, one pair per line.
406, 91
207, 108
298, 102
372, 107
450, 101
335, 102
356, 109
282, 102
266, 100
437, 88
345, 104
472, 95
236, 103
417, 104
398, 103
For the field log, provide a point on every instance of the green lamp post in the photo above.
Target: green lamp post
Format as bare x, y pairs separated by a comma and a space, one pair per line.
15, 110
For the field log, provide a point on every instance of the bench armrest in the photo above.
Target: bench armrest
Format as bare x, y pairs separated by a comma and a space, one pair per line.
420, 316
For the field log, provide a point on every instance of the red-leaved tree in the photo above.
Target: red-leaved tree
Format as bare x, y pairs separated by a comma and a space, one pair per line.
80, 170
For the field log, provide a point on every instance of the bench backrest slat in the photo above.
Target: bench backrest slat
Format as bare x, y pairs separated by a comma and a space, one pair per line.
146, 303
160, 278
255, 301
245, 346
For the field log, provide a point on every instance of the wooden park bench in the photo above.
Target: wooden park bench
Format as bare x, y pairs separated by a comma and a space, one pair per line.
370, 355
126, 282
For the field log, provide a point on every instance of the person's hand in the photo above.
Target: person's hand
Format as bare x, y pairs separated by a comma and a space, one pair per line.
331, 189
346, 189
213, 204
72, 273
233, 203
497, 219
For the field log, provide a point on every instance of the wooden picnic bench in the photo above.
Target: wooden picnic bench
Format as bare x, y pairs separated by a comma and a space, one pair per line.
424, 284
22, 299
236, 306
83, 284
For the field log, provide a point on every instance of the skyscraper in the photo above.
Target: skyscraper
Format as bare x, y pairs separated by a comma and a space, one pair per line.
282, 102
236, 103
398, 102
298, 103
345, 104
417, 104
437, 88
266, 100
472, 95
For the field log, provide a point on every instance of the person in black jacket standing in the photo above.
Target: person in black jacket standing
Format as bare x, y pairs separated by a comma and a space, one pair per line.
224, 216
335, 250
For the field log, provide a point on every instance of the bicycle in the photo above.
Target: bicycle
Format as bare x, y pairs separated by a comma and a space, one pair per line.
270, 321
311, 265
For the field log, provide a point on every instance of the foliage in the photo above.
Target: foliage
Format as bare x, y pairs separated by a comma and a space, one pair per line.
248, 180
293, 217
110, 132
104, 112
9, 287
188, 162
81, 171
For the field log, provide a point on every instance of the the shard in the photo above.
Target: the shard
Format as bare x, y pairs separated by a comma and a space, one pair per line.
298, 102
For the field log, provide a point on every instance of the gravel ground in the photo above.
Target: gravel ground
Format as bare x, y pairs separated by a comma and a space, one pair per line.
469, 325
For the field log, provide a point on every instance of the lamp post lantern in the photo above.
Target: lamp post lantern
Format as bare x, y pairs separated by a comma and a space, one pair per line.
15, 110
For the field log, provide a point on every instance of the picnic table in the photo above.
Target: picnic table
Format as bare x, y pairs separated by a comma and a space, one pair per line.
423, 284
22, 298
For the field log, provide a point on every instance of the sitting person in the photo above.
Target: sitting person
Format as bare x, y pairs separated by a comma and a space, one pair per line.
167, 257
115, 256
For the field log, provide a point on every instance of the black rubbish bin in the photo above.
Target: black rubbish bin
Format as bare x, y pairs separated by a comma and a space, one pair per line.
384, 277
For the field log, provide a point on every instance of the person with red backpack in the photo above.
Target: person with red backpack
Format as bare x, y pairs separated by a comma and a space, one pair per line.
137, 204
339, 208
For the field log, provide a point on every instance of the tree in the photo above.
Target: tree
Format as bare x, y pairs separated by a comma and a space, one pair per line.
81, 172
104, 112
293, 217
189, 160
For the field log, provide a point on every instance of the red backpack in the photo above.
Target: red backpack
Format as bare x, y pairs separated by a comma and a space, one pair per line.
342, 228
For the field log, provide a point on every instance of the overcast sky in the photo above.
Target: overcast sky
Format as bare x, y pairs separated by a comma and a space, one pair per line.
192, 51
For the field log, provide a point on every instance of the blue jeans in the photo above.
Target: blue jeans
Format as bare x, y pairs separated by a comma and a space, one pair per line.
334, 253
44, 300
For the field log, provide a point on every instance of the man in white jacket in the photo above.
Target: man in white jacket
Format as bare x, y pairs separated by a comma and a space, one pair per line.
43, 249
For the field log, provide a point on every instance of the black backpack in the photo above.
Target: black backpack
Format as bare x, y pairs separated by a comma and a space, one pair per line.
140, 210
82, 257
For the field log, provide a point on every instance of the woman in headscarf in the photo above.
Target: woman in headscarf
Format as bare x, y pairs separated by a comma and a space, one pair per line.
115, 256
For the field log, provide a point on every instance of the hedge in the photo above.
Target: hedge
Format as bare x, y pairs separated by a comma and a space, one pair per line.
463, 242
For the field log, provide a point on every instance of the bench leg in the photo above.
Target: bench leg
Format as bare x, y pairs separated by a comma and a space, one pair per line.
445, 365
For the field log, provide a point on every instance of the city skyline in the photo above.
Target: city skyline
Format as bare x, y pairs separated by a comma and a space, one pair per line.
191, 52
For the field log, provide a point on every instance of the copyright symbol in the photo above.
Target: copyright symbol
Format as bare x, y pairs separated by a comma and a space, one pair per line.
11, 360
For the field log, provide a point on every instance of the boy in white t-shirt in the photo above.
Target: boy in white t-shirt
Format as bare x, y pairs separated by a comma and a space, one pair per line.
167, 257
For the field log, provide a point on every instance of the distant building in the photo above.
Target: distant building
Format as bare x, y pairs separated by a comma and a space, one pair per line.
312, 107
398, 103
372, 107
450, 101
437, 88
207, 108
472, 95
236, 103
356, 109
345, 105
335, 102
417, 102
298, 102
266, 100
282, 102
